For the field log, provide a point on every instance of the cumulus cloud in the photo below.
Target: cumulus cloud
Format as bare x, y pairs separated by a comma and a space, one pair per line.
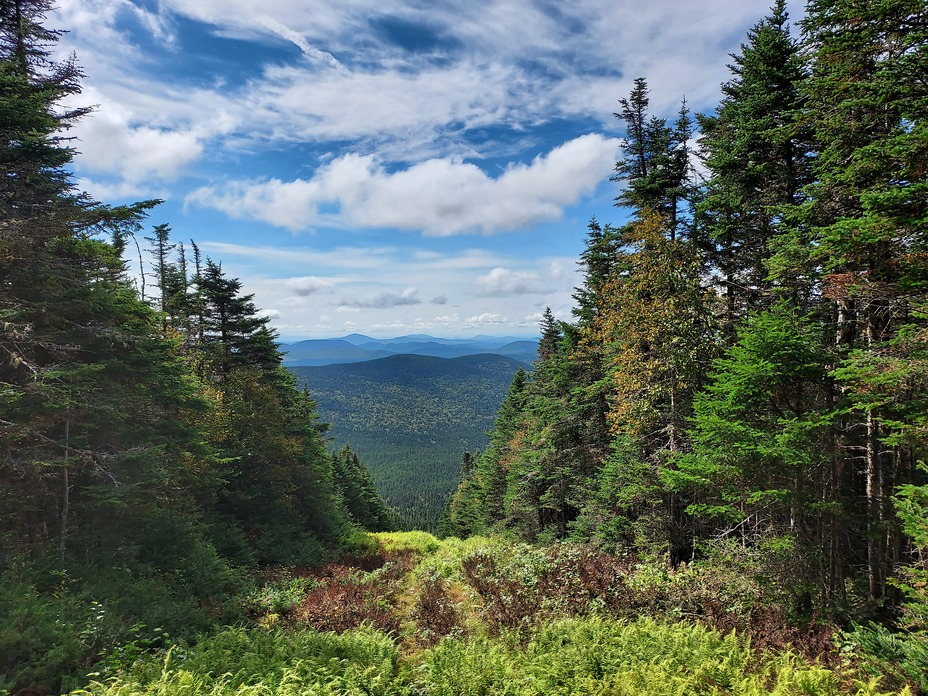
142, 151
503, 281
385, 300
111, 145
308, 285
269, 313
439, 197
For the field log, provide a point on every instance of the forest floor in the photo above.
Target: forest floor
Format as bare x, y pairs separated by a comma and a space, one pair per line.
415, 615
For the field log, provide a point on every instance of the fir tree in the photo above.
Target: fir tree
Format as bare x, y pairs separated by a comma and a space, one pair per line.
759, 155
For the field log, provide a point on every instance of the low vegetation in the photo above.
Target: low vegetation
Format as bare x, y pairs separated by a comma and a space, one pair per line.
416, 615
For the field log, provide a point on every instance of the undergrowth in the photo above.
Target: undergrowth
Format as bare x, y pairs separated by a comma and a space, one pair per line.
483, 616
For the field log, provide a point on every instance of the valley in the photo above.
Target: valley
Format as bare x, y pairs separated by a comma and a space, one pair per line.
410, 418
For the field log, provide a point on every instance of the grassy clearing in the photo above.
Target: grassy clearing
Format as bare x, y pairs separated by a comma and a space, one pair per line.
486, 617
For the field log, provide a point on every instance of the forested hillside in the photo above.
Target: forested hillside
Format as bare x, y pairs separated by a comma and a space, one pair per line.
410, 418
746, 368
154, 453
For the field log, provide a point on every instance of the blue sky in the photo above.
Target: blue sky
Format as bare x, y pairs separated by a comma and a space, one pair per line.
385, 166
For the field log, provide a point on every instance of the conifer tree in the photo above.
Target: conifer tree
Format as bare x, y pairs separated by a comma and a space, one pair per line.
478, 504
759, 154
52, 272
232, 333
353, 483
656, 168
759, 470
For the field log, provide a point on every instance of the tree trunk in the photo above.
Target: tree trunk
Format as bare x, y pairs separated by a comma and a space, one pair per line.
874, 511
66, 495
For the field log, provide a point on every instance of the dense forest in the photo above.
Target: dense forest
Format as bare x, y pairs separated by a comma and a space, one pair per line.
711, 481
154, 450
746, 368
409, 417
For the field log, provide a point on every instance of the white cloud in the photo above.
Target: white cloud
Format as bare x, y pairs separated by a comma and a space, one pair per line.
438, 197
106, 191
503, 281
298, 39
308, 285
111, 145
385, 300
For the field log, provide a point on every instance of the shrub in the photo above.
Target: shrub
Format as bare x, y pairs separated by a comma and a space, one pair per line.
435, 613
40, 631
278, 596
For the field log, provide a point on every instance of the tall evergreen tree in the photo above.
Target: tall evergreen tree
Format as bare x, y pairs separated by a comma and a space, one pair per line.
233, 334
760, 467
759, 155
353, 483
656, 167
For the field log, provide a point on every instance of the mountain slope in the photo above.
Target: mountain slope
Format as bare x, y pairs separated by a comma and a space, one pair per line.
410, 418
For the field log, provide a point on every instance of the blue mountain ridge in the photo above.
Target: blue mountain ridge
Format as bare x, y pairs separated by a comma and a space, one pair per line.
360, 348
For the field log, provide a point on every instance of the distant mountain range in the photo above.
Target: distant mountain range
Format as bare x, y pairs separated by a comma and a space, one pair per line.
411, 417
359, 348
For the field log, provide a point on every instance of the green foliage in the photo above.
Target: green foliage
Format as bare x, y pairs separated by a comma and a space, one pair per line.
421, 543
239, 661
571, 642
37, 619
898, 658
352, 481
757, 429
568, 657
279, 596
912, 508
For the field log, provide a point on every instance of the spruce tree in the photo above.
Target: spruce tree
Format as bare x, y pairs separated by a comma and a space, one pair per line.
353, 483
232, 333
656, 167
759, 155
